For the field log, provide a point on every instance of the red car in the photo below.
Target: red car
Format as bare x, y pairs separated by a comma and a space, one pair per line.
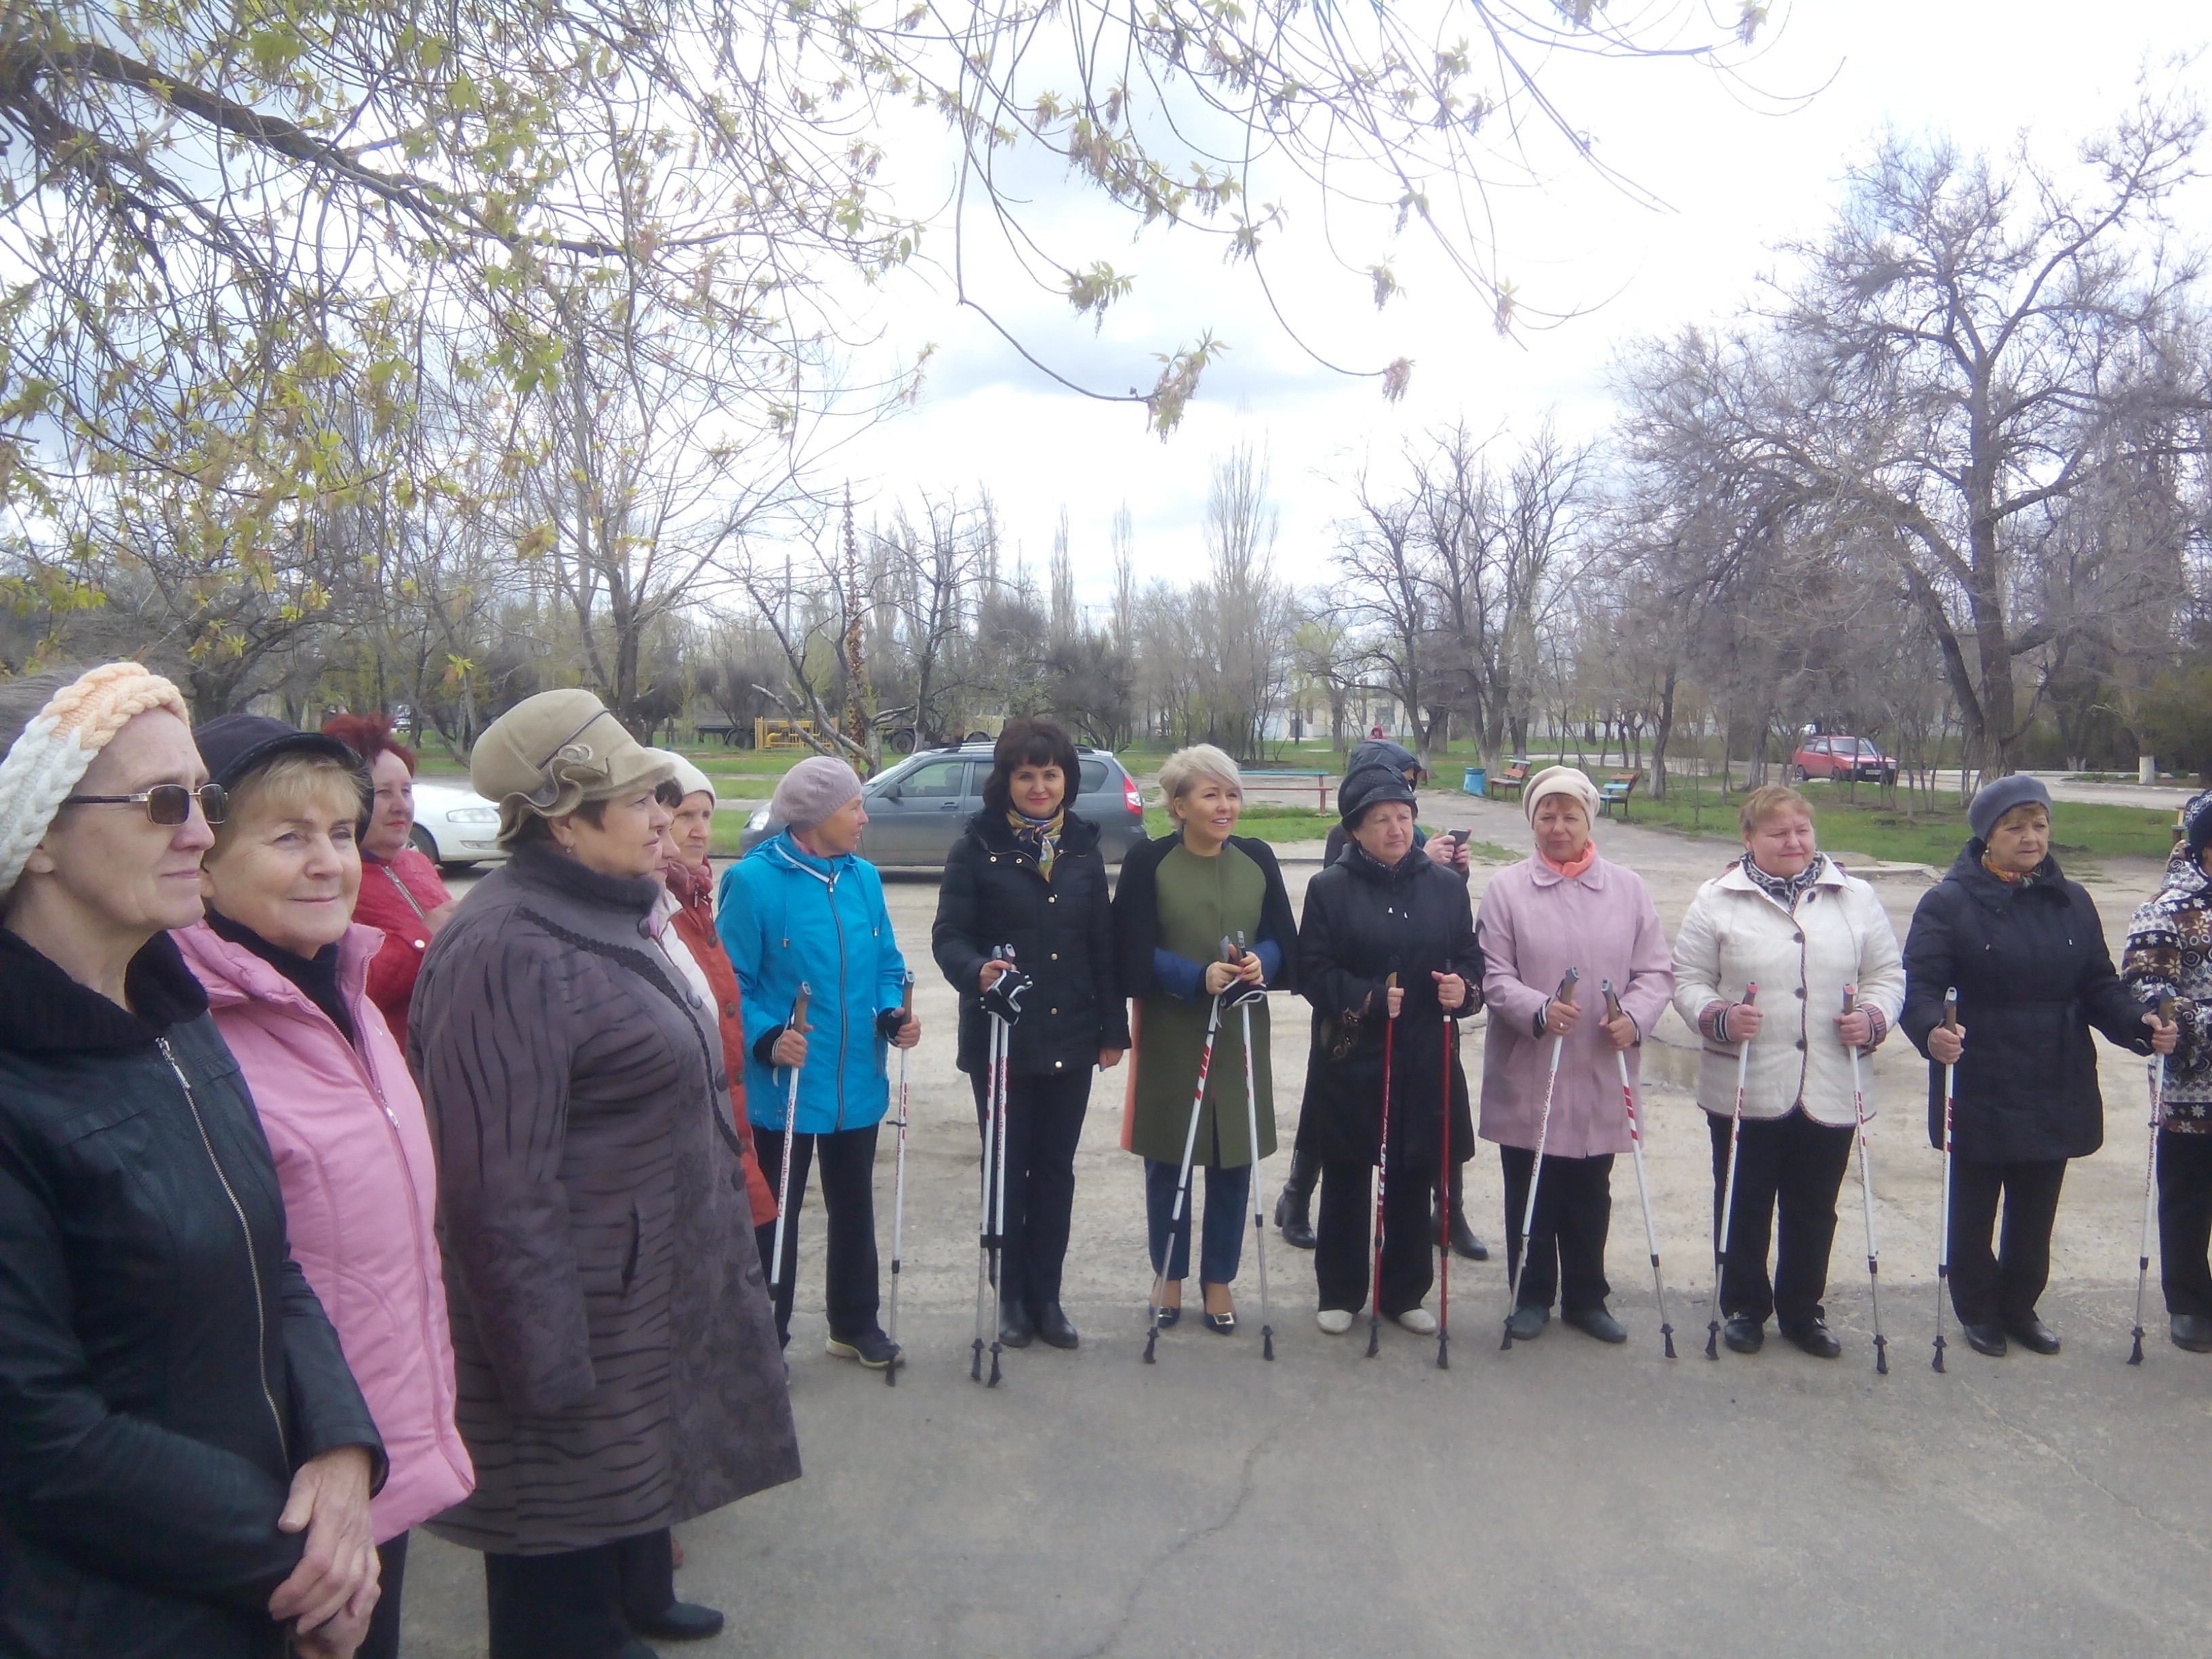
1835, 756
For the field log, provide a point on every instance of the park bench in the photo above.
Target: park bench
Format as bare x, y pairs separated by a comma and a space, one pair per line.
1511, 781
1615, 792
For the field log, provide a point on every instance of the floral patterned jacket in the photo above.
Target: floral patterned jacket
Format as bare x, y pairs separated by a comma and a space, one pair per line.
2169, 954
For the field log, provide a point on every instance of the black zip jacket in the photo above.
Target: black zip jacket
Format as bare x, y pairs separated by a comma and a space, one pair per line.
164, 1367
1063, 931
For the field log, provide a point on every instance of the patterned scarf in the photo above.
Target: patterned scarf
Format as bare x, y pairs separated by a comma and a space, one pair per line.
1785, 891
1038, 837
2012, 877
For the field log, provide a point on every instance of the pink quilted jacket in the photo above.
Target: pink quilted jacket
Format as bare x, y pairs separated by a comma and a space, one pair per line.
353, 1155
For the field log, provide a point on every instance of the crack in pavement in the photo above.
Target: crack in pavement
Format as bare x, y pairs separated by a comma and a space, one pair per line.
1245, 1486
2074, 1468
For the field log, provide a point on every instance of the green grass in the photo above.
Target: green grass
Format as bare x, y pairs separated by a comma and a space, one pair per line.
1856, 822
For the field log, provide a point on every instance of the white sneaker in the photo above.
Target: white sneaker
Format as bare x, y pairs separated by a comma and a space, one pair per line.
1336, 1321
1420, 1320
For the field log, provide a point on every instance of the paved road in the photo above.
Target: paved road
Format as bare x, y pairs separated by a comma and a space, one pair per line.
1563, 1498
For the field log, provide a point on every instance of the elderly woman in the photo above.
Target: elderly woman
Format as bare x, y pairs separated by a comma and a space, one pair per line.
1293, 1208
804, 908
401, 895
618, 1369
286, 969
189, 1466
1565, 907
1785, 918
2025, 950
1386, 940
2169, 954
1028, 873
1180, 896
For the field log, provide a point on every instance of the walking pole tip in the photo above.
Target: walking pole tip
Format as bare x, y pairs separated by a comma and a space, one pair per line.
1374, 1334
2135, 1354
1880, 1355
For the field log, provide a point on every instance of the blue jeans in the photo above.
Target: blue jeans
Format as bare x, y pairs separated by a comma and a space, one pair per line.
1222, 1244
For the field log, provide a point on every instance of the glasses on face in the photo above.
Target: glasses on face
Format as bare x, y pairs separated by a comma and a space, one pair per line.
168, 805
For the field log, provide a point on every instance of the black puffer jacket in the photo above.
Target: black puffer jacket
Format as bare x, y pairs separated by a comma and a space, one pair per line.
1063, 931
164, 1367
2033, 976
1361, 922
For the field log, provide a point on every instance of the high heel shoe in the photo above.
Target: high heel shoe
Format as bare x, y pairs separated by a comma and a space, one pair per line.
1220, 1323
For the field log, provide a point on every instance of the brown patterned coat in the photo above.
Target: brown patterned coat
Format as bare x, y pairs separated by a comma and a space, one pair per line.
618, 1365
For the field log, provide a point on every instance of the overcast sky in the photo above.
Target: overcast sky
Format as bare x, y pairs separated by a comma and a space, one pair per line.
1735, 175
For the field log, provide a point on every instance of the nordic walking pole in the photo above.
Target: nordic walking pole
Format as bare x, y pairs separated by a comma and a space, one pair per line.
1866, 1196
999, 1185
898, 1187
790, 1127
1943, 1223
986, 1233
1382, 1168
1259, 1195
1642, 1190
1182, 1184
2150, 1177
1536, 1170
1443, 1204
1728, 1185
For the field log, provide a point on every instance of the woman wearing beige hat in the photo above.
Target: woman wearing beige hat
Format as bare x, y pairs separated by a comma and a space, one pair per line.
617, 1363
1785, 918
1565, 907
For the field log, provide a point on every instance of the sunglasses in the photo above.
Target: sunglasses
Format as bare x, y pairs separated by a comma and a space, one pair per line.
168, 805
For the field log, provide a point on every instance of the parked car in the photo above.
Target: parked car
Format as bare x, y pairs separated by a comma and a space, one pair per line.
454, 827
917, 809
1837, 757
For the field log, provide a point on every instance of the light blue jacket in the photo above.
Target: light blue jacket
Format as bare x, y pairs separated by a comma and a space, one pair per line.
786, 919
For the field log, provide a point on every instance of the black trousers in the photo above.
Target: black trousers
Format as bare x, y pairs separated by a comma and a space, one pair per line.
2184, 1221
848, 1177
1044, 1122
577, 1604
1344, 1238
1567, 1245
1989, 1289
382, 1641
1788, 1169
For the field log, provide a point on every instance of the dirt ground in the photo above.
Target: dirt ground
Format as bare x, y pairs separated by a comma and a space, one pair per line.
1557, 1500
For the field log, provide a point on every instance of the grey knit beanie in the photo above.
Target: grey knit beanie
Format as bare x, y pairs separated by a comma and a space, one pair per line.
1992, 801
812, 790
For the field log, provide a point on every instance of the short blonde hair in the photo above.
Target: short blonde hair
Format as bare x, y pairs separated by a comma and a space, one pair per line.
1764, 802
1186, 768
287, 786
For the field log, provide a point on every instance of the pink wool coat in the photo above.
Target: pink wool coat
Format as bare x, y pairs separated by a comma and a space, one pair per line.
1535, 925
352, 1156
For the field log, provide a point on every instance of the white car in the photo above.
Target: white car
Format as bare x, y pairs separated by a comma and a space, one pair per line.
454, 826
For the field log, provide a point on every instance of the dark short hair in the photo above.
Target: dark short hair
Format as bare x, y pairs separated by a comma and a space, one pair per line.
1031, 741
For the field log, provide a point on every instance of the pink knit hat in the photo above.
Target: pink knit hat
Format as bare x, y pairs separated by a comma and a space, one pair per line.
812, 790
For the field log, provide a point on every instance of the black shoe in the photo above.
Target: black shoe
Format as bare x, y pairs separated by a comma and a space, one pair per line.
1053, 1327
1527, 1323
635, 1649
683, 1621
1293, 1217
1813, 1336
1743, 1333
1164, 1318
2192, 1332
1015, 1327
2032, 1334
872, 1348
1464, 1243
1984, 1338
1594, 1322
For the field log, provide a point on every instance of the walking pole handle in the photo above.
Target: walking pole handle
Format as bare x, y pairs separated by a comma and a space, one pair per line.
799, 1010
1851, 998
2165, 1010
1951, 1009
1389, 984
1567, 981
1751, 993
1611, 999
906, 1003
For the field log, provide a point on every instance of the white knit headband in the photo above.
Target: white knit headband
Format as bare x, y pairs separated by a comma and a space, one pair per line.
46, 764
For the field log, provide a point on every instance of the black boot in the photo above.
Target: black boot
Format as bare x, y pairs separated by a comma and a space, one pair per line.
1463, 1240
1292, 1209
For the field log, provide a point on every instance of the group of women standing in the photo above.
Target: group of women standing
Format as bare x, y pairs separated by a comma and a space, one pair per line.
239, 1260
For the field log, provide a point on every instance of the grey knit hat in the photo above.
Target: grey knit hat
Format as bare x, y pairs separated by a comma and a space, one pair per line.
1993, 800
812, 790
